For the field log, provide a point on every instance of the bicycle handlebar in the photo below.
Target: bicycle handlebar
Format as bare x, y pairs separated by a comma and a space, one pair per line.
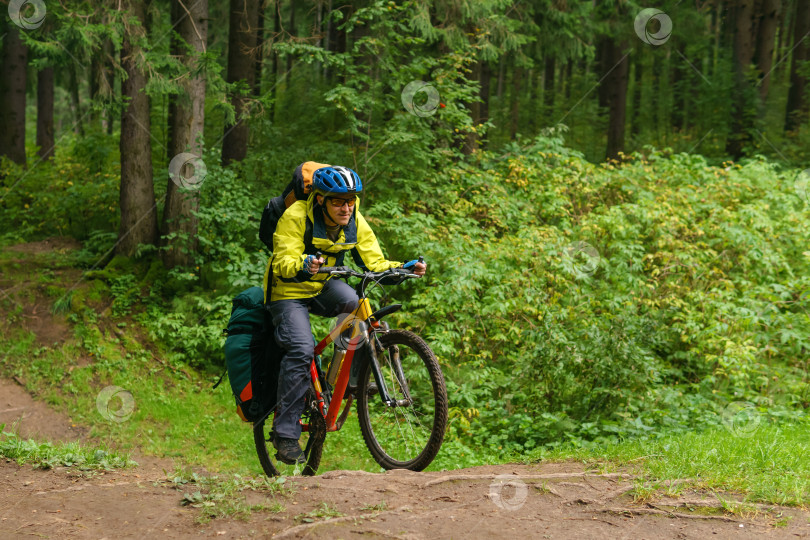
345, 271
367, 277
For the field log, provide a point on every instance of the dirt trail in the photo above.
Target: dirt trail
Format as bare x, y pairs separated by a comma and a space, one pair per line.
551, 500
33, 419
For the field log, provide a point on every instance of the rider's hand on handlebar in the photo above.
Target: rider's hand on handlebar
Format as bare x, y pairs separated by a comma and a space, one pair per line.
416, 266
312, 264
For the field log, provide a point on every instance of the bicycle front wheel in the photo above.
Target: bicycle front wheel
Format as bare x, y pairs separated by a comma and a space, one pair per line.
409, 433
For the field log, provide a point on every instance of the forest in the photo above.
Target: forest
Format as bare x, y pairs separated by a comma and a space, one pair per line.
612, 199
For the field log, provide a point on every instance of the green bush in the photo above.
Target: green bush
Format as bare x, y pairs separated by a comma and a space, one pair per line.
697, 294
74, 195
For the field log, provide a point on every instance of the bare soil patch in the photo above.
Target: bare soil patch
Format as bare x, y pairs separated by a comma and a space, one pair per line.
55, 243
33, 419
50, 329
551, 501
26, 295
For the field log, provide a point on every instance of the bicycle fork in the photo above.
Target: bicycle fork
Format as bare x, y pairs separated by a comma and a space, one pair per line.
396, 365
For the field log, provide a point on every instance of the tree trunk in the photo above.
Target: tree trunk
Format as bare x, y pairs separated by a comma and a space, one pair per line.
93, 83
486, 83
569, 74
744, 104
796, 104
107, 85
678, 86
257, 77
635, 113
12, 94
616, 95
319, 33
276, 33
75, 99
729, 24
329, 40
766, 38
471, 140
548, 85
241, 43
186, 115
291, 31
603, 65
517, 78
717, 33
655, 104
137, 199
782, 26
479, 110
340, 43
501, 70
45, 140
327, 35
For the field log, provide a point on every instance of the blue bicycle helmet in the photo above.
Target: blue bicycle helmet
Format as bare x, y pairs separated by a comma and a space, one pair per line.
332, 180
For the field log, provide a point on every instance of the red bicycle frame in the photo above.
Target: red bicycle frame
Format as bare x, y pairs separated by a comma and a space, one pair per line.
357, 321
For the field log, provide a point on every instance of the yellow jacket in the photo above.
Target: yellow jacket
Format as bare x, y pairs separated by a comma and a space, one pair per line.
301, 231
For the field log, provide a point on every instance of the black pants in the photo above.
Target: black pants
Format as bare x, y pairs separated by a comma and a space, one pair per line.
294, 335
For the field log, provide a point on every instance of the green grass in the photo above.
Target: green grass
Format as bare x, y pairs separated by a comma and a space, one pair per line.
324, 511
771, 464
379, 507
46, 455
223, 496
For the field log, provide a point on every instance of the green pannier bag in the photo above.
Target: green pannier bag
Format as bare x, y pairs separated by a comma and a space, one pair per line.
252, 356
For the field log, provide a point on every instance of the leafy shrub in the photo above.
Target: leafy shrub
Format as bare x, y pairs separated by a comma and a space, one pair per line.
690, 299
73, 195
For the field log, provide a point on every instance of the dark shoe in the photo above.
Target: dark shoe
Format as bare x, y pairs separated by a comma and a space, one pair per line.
288, 451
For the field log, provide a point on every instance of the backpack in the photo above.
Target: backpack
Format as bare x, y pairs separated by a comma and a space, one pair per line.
297, 190
252, 355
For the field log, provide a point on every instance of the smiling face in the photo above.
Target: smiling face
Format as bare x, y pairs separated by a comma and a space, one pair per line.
337, 209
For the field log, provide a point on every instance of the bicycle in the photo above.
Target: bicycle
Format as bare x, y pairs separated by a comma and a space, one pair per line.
401, 394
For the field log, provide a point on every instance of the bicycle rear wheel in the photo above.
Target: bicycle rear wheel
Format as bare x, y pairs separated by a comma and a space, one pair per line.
311, 442
407, 435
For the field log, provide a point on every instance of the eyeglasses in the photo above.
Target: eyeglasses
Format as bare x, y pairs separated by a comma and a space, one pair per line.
339, 203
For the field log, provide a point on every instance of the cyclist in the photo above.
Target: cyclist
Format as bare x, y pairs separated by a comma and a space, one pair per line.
329, 222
